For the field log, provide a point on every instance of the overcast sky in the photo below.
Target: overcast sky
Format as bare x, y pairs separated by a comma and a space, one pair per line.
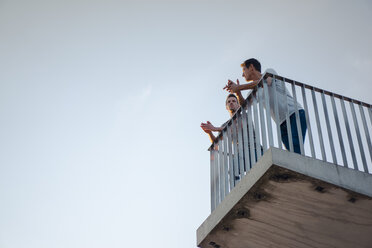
101, 104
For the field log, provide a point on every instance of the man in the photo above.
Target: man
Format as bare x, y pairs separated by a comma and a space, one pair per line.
232, 106
252, 74
233, 103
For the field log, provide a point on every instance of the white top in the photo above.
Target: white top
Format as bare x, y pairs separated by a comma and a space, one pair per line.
284, 99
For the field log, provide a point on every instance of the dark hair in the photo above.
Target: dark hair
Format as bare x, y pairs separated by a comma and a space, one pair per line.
230, 95
256, 64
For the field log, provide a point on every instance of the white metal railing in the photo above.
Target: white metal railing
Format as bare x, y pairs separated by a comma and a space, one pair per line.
339, 134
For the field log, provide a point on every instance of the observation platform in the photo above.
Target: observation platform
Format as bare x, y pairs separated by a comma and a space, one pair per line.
291, 200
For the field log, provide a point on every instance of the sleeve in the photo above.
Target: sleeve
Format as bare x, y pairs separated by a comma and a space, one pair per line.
270, 70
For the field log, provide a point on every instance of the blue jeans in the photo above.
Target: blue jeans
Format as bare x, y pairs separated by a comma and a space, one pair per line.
295, 138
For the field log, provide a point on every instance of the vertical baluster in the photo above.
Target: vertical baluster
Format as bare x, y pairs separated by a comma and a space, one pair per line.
231, 162
221, 175
256, 127
298, 123
370, 118
252, 146
213, 198
235, 147
268, 112
355, 166
240, 144
245, 138
276, 111
324, 157
366, 130
358, 137
310, 135
216, 182
225, 163
331, 144
263, 127
288, 121
339, 131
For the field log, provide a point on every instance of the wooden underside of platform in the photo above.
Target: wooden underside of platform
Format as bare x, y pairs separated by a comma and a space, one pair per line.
287, 209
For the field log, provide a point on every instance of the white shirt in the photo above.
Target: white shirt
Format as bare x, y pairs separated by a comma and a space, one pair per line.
283, 98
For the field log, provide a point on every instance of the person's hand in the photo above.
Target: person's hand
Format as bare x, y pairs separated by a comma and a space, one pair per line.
231, 86
208, 127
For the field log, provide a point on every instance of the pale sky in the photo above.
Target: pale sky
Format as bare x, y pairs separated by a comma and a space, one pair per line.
101, 104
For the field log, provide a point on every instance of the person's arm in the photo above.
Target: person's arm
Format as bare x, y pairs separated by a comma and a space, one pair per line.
208, 128
233, 87
239, 95
210, 136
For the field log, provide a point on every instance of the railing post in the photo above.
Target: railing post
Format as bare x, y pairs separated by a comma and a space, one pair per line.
235, 147
366, 130
358, 137
355, 166
279, 133
339, 131
329, 129
310, 135
263, 126
225, 163
268, 113
221, 174
216, 180
324, 157
257, 126
231, 161
298, 123
213, 198
245, 138
240, 144
253, 144
288, 121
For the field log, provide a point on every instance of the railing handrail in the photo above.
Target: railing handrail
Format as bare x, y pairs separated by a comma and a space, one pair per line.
274, 115
318, 89
291, 81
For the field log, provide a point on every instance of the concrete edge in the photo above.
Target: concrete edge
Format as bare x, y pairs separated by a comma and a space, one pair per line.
235, 195
354, 180
343, 177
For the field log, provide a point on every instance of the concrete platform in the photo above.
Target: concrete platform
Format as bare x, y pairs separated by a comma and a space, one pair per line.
288, 200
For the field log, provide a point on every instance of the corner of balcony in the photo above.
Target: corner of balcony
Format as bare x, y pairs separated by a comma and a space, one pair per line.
291, 200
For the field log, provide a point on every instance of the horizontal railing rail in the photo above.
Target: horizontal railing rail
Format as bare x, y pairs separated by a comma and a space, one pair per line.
326, 128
